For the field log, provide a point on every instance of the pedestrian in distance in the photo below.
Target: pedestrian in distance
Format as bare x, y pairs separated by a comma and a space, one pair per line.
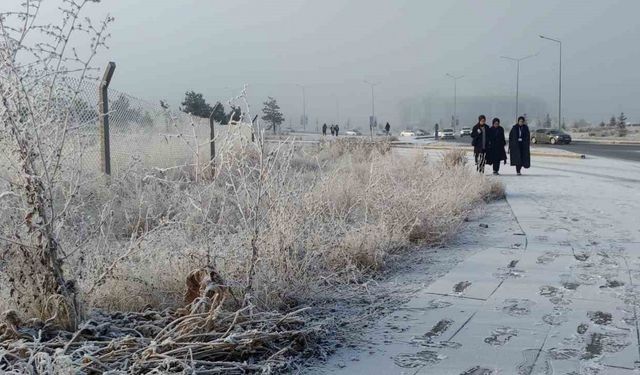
519, 146
333, 130
387, 128
495, 150
337, 129
324, 129
479, 141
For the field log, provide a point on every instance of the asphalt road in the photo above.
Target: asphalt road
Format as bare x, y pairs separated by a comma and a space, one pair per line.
615, 151
629, 152
625, 152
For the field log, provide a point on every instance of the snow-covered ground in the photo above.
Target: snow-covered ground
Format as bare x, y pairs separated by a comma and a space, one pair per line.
551, 285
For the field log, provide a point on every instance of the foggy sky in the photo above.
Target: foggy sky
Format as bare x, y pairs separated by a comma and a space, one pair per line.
163, 48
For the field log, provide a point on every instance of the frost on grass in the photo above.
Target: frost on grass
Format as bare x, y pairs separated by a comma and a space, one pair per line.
207, 266
328, 216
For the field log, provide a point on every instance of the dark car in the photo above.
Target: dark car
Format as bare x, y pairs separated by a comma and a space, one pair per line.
551, 136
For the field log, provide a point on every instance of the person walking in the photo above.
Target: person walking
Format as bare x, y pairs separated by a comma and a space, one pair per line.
479, 142
387, 128
333, 129
495, 150
519, 146
324, 129
337, 129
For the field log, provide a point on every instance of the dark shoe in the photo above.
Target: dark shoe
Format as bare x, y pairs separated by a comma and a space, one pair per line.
496, 173
519, 174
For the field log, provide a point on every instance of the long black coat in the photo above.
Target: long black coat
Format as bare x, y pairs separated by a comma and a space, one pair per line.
497, 141
476, 138
520, 153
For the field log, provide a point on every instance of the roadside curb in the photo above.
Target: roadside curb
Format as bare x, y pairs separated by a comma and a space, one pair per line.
570, 155
606, 141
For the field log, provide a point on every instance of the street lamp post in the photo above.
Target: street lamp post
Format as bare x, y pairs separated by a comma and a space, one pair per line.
373, 112
304, 107
455, 98
517, 60
559, 80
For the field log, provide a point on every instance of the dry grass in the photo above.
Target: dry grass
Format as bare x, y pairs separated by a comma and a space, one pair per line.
329, 214
336, 213
174, 264
454, 158
339, 210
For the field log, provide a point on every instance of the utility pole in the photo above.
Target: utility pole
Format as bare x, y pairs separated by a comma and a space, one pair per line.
373, 107
559, 80
304, 107
517, 60
455, 99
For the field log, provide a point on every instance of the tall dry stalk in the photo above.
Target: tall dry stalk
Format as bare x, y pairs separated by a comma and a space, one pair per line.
41, 72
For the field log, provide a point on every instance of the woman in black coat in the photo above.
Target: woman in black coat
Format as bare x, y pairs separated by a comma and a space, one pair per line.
480, 142
519, 146
495, 152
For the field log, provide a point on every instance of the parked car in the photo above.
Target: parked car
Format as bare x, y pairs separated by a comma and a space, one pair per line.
447, 134
353, 132
465, 131
551, 136
420, 133
407, 133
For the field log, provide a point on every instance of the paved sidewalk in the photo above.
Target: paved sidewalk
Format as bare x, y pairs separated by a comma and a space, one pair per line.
557, 293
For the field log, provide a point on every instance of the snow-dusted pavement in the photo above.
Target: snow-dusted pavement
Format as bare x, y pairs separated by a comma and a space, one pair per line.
553, 289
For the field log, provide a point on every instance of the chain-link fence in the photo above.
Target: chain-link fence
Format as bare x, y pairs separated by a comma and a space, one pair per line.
142, 132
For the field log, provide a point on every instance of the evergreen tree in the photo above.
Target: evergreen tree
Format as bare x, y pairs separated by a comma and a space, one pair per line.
272, 114
613, 122
195, 104
622, 121
219, 115
602, 124
235, 114
123, 111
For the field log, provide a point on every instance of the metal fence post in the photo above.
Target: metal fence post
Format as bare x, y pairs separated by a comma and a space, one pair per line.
212, 136
253, 127
103, 116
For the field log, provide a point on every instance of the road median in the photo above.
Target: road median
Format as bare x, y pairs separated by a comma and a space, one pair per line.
604, 141
534, 151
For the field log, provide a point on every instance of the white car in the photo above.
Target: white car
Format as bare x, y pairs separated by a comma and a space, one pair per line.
353, 132
447, 134
407, 133
420, 133
465, 131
